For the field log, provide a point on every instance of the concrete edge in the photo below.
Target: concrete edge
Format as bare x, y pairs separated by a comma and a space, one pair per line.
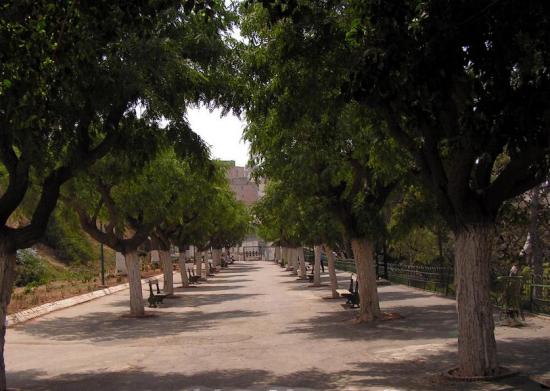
34, 312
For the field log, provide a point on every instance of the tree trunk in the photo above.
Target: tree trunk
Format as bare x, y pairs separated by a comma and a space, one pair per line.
294, 257
217, 256
369, 305
204, 271
288, 261
198, 266
131, 260
277, 254
477, 352
7, 279
332, 271
301, 256
183, 270
347, 246
167, 271
317, 266
534, 243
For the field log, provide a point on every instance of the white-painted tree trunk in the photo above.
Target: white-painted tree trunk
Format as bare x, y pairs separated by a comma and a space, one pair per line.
332, 271
183, 270
154, 257
288, 261
7, 279
317, 266
477, 351
369, 307
294, 257
131, 260
167, 271
198, 265
217, 256
303, 267
204, 270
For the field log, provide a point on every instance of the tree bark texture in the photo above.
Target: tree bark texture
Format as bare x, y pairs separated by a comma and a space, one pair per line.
288, 261
332, 271
131, 260
183, 270
204, 271
534, 242
7, 279
369, 306
477, 352
167, 271
294, 257
217, 256
302, 259
317, 266
198, 265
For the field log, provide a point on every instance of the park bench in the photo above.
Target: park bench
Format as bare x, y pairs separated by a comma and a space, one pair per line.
509, 300
193, 279
211, 269
352, 293
310, 276
155, 298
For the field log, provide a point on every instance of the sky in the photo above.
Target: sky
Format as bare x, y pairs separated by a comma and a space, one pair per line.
224, 135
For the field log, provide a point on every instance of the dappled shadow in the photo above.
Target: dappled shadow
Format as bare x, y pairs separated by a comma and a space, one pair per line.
207, 287
404, 295
417, 323
192, 299
213, 281
414, 370
229, 276
144, 380
423, 370
239, 269
136, 379
108, 326
197, 300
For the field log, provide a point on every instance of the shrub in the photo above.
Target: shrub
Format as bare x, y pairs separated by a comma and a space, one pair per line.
30, 269
68, 240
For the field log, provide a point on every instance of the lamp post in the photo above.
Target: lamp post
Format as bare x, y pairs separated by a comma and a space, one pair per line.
102, 261
102, 265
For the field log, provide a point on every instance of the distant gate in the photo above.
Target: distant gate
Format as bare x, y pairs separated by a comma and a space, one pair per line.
258, 253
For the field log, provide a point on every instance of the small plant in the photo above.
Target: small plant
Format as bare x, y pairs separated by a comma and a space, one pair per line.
30, 269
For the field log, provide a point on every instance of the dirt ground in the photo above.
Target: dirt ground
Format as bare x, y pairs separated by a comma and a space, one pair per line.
23, 298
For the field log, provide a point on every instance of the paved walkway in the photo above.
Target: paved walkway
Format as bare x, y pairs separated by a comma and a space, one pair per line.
255, 327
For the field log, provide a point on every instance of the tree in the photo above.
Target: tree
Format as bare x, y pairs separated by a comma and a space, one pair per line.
304, 132
120, 203
73, 72
461, 85
210, 215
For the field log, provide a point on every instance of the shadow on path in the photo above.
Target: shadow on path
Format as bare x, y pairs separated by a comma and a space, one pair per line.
422, 371
108, 326
417, 323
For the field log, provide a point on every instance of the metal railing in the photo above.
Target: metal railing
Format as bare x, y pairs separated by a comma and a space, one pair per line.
535, 291
437, 279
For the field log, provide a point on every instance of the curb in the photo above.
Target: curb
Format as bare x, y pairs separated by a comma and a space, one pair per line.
31, 313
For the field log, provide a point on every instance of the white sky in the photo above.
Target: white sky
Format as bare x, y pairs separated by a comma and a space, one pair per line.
224, 135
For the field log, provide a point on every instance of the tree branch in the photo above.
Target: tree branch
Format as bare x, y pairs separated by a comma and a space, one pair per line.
517, 177
28, 235
18, 171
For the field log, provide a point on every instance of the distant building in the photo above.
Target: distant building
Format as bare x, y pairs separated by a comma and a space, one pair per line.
245, 189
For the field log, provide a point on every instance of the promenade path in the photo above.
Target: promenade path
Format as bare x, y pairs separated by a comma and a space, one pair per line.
254, 327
